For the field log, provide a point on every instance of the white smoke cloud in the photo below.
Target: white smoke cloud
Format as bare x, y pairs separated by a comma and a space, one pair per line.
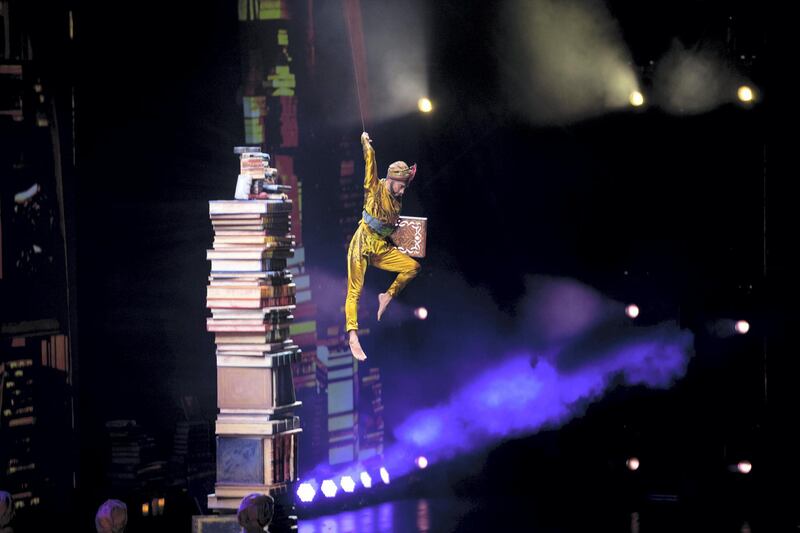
566, 60
692, 81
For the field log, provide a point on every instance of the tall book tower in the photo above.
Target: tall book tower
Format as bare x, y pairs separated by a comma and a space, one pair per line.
251, 296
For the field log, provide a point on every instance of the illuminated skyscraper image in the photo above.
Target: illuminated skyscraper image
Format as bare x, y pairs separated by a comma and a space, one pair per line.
36, 420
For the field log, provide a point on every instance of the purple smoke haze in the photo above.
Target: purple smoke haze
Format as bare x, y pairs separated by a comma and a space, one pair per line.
516, 398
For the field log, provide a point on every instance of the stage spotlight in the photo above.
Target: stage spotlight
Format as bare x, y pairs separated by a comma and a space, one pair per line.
347, 484
636, 99
632, 310
421, 313
329, 488
385, 475
366, 480
632, 464
744, 467
742, 327
422, 462
425, 105
306, 492
745, 94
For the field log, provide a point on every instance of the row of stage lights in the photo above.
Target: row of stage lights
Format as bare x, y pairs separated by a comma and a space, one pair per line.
632, 310
741, 326
308, 490
742, 467
744, 93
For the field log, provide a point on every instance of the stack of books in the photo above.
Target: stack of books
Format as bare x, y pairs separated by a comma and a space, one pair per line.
251, 295
257, 179
250, 291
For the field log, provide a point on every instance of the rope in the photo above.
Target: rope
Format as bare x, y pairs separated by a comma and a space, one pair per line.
355, 69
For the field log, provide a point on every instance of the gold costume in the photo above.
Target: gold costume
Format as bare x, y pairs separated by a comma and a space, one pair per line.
370, 247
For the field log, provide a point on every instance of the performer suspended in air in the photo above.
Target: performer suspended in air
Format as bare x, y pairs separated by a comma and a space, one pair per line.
382, 202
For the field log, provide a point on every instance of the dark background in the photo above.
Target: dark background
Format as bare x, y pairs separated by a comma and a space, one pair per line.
666, 211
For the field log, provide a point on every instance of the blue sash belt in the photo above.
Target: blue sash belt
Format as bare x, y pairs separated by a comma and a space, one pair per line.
384, 230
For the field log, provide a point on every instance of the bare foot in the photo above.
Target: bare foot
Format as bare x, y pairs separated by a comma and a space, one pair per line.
355, 346
383, 302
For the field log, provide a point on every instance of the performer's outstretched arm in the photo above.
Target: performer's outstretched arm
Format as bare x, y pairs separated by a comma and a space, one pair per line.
371, 182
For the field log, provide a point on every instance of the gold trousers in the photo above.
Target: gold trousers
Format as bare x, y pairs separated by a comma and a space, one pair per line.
367, 247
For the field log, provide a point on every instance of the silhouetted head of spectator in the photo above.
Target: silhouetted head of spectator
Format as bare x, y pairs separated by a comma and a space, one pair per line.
6, 508
111, 517
255, 512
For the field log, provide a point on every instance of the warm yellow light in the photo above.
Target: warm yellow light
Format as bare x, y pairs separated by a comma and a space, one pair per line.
145, 509
636, 98
745, 93
425, 105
